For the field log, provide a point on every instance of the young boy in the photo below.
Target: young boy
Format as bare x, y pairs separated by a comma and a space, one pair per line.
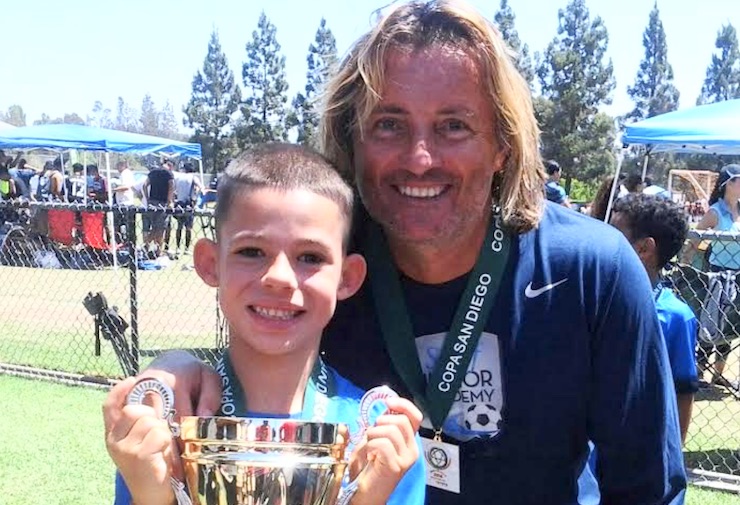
280, 264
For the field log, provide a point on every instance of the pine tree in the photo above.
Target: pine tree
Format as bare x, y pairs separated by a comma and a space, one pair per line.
265, 85
653, 92
214, 100
14, 116
576, 82
149, 117
504, 20
167, 122
722, 80
321, 60
101, 116
126, 117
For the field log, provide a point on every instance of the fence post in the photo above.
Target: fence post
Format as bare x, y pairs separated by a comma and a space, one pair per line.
133, 287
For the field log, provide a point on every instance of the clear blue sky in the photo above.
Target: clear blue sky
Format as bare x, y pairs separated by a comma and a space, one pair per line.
59, 57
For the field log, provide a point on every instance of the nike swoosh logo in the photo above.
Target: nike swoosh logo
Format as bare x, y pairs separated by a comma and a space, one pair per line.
534, 293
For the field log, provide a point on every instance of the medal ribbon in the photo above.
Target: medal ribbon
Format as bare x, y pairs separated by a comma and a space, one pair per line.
436, 395
321, 386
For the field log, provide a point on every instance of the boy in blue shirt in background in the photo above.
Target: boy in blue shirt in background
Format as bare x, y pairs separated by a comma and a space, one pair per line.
657, 228
280, 264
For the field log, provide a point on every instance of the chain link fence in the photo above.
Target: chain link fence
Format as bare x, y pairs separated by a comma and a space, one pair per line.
85, 294
709, 285
85, 297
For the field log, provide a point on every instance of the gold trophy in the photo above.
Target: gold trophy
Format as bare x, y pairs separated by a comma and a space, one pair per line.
251, 461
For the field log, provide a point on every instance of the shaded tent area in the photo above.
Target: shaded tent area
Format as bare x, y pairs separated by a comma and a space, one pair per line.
64, 137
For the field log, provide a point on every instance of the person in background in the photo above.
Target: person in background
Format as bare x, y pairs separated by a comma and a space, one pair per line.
553, 190
187, 188
657, 228
97, 186
123, 196
723, 215
519, 335
632, 183
159, 189
76, 184
653, 189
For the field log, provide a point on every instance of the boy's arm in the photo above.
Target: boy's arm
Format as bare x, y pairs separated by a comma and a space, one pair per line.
685, 406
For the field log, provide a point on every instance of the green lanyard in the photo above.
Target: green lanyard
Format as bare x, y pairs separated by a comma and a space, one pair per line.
321, 386
436, 395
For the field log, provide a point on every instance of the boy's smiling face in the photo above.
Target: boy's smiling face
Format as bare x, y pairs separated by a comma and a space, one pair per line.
280, 268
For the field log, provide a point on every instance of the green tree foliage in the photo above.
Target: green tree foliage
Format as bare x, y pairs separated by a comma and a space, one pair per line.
575, 82
214, 100
67, 118
167, 122
265, 85
14, 115
654, 92
101, 116
504, 20
126, 117
149, 117
321, 60
722, 80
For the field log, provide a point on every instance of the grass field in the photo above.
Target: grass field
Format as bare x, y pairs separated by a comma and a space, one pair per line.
52, 450
46, 325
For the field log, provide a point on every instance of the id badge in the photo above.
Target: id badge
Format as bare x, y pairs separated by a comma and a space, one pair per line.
443, 464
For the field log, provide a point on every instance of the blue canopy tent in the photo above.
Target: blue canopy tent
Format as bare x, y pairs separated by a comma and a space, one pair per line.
709, 129
70, 136
89, 138
705, 129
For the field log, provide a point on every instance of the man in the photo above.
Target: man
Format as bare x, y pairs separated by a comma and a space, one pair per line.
553, 190
159, 189
123, 194
657, 228
187, 187
519, 335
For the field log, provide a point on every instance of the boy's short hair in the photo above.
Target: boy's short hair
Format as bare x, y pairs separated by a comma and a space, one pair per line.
284, 167
653, 216
552, 166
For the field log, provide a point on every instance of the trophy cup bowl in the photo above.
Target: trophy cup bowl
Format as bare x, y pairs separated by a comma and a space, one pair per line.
249, 461
257, 461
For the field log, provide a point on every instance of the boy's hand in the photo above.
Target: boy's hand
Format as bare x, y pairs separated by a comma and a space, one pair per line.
197, 386
141, 445
391, 447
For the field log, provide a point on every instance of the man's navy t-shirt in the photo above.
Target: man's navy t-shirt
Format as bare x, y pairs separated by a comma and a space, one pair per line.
159, 179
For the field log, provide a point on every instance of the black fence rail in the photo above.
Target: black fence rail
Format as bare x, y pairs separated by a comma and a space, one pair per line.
84, 292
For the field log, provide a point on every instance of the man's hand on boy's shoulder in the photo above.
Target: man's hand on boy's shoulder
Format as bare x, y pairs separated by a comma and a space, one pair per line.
196, 385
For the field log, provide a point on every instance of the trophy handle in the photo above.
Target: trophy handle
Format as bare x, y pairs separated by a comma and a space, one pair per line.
368, 401
136, 397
